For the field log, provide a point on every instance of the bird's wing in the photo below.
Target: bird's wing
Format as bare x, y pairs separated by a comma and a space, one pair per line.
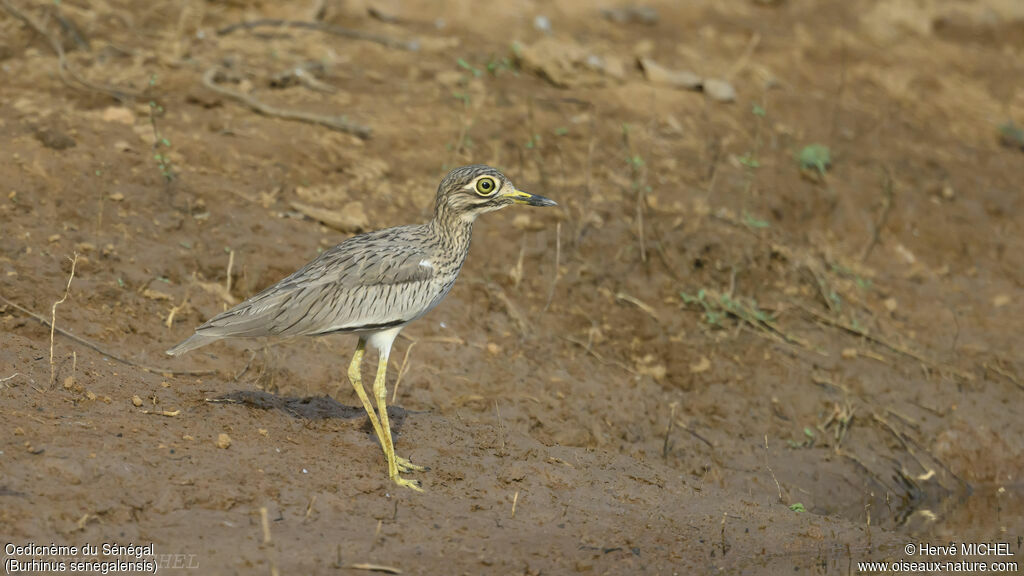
365, 282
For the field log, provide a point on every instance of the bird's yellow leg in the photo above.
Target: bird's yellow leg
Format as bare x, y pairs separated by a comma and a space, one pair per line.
355, 376
380, 391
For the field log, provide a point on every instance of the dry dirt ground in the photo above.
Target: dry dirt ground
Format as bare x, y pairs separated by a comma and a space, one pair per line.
711, 358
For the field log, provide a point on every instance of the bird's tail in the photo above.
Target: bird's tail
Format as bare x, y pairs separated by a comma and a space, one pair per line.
197, 340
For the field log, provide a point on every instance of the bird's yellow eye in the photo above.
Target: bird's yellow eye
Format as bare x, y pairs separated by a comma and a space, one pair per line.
486, 186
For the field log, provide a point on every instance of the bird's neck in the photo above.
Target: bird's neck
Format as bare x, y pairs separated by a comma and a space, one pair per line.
452, 229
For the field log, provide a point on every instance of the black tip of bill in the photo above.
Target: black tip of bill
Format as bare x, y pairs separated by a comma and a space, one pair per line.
535, 200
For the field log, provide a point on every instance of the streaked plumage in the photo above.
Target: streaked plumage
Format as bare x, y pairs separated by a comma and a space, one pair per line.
375, 283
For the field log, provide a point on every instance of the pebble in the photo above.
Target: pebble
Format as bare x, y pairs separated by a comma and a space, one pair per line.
223, 440
719, 90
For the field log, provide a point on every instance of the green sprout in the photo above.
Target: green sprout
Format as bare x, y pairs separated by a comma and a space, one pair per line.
815, 157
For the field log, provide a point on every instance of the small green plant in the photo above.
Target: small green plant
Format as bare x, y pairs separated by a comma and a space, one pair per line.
815, 157
797, 507
860, 281
561, 131
717, 307
467, 66
712, 312
752, 222
808, 441
1012, 135
749, 161
533, 142
496, 65
161, 145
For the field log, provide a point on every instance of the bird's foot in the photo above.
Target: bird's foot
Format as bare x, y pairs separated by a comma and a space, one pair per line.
407, 467
414, 484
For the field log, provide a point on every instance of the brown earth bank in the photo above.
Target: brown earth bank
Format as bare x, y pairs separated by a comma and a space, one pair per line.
773, 326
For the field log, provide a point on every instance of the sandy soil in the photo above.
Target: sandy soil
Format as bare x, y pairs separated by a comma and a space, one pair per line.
709, 359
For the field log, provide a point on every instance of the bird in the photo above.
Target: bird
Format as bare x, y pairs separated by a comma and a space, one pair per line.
373, 285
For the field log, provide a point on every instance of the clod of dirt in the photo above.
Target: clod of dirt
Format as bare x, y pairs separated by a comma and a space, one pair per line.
351, 218
658, 74
55, 139
719, 90
136, 401
566, 64
632, 15
223, 440
703, 365
119, 114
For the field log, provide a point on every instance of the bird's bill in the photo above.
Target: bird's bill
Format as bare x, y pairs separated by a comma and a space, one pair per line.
520, 197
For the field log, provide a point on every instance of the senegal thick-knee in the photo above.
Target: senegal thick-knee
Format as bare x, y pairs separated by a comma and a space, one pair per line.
373, 285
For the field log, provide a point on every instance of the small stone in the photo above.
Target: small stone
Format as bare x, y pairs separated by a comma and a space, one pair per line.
119, 114
659, 74
116, 197
703, 365
223, 440
890, 304
719, 90
90, 395
948, 192
1001, 300
448, 78
136, 401
493, 349
542, 23
53, 238
849, 353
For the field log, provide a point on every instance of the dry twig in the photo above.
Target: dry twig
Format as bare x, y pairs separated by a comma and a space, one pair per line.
97, 348
882, 218
885, 343
402, 370
376, 568
53, 316
411, 46
67, 74
339, 123
647, 308
3, 381
558, 257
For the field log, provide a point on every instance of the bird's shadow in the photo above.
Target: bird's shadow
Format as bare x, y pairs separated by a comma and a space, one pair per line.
308, 408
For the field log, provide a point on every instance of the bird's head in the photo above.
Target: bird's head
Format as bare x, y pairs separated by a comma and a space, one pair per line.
469, 191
